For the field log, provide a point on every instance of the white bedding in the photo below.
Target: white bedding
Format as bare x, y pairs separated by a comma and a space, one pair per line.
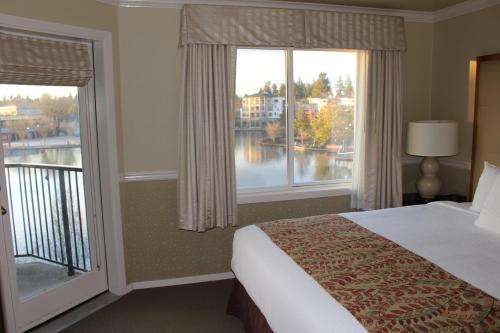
292, 301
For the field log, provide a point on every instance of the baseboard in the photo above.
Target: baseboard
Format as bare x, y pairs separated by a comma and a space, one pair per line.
182, 280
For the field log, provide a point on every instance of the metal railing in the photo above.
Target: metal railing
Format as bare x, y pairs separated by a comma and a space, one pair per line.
47, 211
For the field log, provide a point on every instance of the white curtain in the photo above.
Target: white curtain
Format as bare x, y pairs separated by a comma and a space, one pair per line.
377, 171
207, 181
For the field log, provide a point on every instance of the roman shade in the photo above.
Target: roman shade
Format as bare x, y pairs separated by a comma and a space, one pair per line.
277, 27
37, 61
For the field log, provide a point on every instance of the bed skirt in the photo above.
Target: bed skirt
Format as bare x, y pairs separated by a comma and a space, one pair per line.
243, 307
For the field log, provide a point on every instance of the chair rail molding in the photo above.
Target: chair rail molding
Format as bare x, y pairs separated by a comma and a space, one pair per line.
142, 176
463, 8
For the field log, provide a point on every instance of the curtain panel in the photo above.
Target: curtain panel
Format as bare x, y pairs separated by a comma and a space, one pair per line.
377, 170
37, 61
207, 179
277, 27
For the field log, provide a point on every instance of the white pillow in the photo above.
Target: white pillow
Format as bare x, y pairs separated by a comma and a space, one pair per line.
488, 176
489, 218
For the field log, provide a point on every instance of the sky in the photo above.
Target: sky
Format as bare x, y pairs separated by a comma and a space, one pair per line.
35, 91
255, 67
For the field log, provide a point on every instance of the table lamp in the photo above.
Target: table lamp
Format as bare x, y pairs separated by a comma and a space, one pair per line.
431, 139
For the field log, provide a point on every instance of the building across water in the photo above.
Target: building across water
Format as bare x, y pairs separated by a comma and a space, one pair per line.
259, 109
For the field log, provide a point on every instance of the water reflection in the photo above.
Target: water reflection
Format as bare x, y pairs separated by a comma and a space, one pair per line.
58, 156
261, 164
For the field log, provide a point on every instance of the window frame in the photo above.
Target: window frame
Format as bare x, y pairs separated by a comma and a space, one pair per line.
293, 190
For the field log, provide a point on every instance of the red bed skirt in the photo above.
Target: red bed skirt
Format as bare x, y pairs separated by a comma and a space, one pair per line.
242, 306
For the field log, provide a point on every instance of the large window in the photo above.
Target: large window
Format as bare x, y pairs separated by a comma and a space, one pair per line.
294, 117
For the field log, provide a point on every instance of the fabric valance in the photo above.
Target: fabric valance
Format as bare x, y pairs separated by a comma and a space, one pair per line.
36, 61
277, 27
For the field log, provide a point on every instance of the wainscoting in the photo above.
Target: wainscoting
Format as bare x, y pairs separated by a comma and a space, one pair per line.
155, 249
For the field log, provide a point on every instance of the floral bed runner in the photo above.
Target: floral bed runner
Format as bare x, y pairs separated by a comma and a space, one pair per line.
386, 287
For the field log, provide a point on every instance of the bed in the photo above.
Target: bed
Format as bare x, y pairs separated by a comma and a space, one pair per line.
274, 293
292, 301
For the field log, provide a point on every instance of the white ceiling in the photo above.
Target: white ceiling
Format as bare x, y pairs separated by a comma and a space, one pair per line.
421, 5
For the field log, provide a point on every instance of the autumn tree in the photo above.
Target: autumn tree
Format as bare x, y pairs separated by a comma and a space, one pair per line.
302, 125
342, 117
273, 130
321, 87
321, 126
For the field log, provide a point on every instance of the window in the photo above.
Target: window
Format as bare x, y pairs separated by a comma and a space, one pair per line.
311, 141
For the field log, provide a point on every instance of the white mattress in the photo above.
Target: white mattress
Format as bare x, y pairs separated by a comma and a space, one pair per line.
292, 301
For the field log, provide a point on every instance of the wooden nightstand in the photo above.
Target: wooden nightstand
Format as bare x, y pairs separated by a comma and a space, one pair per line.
410, 199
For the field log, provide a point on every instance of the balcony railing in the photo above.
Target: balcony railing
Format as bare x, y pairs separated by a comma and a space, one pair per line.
48, 216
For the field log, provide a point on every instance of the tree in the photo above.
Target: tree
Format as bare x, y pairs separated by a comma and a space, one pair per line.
275, 90
20, 127
282, 120
302, 125
273, 130
57, 108
267, 88
300, 89
322, 126
321, 87
45, 127
349, 89
282, 91
342, 118
340, 87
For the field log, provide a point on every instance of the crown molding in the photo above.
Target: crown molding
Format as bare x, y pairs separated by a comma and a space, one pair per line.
409, 15
463, 8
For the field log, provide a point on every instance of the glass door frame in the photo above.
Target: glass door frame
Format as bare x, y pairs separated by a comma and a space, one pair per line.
107, 121
41, 307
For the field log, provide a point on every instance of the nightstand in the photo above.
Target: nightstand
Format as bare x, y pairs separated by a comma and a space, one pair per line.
410, 199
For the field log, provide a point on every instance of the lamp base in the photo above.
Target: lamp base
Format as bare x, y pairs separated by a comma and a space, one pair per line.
429, 184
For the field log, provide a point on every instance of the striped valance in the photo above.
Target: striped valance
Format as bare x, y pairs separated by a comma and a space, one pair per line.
268, 27
37, 61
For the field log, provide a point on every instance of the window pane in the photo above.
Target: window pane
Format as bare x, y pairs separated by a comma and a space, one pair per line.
324, 90
42, 152
260, 119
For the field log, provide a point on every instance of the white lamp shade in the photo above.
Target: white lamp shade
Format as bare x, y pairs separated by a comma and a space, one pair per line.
432, 138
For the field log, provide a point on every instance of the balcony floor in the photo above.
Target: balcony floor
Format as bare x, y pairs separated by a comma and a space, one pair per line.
35, 276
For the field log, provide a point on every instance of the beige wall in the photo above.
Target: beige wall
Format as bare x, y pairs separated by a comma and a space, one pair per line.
150, 65
456, 42
417, 87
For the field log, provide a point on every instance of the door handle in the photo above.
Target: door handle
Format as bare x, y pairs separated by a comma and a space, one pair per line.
3, 210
